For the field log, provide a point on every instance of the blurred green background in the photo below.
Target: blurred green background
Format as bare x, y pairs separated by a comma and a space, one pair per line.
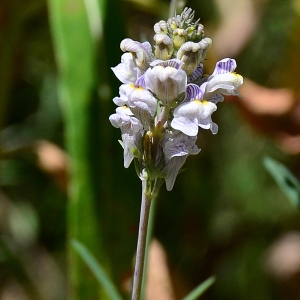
56, 86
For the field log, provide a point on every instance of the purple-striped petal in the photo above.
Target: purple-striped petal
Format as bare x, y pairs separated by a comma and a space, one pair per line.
226, 65
193, 92
216, 98
141, 81
196, 74
174, 62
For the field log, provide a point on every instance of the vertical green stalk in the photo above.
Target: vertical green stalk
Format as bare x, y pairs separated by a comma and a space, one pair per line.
149, 194
75, 53
141, 245
148, 242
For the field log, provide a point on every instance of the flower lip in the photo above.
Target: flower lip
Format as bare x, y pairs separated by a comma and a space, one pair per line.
225, 83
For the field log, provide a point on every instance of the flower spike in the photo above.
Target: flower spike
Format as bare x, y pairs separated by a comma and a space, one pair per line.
164, 99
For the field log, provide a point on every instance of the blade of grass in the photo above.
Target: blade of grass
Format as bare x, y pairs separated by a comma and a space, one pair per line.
200, 289
287, 182
75, 52
97, 270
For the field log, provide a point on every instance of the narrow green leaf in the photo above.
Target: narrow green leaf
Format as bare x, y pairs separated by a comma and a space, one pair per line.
285, 180
97, 270
73, 30
200, 289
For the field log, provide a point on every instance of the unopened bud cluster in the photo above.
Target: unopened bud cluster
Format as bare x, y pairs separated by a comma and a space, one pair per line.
164, 98
181, 38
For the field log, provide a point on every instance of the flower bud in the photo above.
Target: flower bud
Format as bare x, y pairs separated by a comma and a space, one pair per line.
192, 54
164, 46
161, 27
142, 52
179, 37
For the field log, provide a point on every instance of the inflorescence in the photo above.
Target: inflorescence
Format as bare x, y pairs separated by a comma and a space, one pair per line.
164, 97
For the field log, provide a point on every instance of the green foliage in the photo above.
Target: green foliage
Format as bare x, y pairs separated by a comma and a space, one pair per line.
287, 182
97, 270
200, 289
75, 50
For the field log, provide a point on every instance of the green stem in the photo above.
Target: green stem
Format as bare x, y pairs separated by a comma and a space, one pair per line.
145, 234
141, 245
148, 241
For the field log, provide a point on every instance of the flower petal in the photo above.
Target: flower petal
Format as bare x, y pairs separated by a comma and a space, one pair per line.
225, 83
176, 149
174, 62
192, 54
123, 119
196, 74
166, 83
129, 144
226, 65
189, 115
142, 52
194, 92
172, 169
179, 144
186, 125
126, 71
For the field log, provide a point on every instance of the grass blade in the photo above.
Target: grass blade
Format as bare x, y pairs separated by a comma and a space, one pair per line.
97, 270
285, 180
76, 56
200, 289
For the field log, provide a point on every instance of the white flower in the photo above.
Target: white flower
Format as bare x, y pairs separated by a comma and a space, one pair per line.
166, 80
164, 46
192, 54
142, 52
143, 99
129, 144
176, 149
194, 112
126, 71
124, 92
227, 84
223, 79
125, 120
139, 100
131, 131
